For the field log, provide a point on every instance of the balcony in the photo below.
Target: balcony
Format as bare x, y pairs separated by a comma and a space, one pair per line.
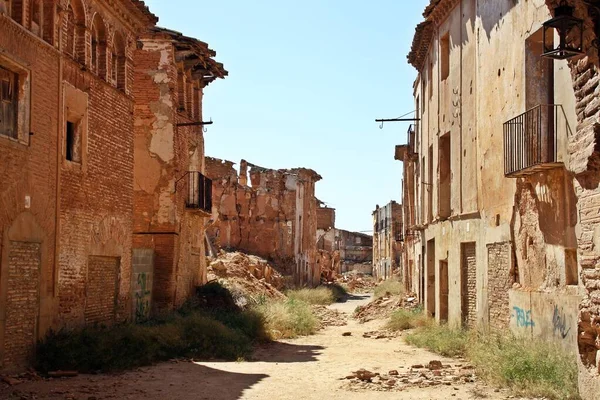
199, 192
409, 149
530, 140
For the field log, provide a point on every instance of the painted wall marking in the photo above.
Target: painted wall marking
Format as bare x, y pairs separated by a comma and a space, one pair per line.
523, 317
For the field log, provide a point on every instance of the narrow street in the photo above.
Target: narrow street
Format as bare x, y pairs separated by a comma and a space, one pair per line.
306, 368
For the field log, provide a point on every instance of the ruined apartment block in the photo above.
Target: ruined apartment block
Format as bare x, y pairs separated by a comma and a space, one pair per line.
67, 169
491, 223
387, 241
272, 215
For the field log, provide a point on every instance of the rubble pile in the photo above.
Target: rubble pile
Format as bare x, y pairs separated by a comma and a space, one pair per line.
433, 374
383, 307
357, 282
249, 278
329, 317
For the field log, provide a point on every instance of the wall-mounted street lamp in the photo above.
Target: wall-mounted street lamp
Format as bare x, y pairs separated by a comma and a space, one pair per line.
570, 34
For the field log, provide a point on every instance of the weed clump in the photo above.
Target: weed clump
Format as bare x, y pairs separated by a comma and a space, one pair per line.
389, 288
321, 295
402, 319
288, 319
530, 367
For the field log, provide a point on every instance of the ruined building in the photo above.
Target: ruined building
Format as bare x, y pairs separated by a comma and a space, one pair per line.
491, 218
273, 215
68, 163
387, 240
501, 174
172, 196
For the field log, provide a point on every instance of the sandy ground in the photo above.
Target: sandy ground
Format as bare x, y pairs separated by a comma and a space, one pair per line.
305, 368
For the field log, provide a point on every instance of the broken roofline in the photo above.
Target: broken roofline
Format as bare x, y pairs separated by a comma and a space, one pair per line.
194, 54
435, 11
291, 171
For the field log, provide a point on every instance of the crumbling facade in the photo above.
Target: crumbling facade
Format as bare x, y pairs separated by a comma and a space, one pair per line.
489, 201
273, 215
172, 197
67, 79
387, 241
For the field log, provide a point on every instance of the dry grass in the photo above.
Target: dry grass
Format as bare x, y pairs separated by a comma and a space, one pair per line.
530, 367
389, 288
288, 319
401, 320
321, 295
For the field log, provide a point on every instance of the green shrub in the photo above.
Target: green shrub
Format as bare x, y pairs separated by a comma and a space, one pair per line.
121, 347
319, 295
340, 292
389, 288
288, 319
401, 320
529, 367
440, 339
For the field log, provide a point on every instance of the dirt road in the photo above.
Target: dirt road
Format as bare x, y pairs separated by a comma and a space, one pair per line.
305, 368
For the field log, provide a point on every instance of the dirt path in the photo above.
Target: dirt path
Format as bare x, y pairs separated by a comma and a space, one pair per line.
305, 368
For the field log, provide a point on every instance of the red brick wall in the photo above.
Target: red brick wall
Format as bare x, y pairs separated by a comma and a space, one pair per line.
96, 202
29, 170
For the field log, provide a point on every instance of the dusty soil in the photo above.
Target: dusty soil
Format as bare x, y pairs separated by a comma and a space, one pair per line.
315, 367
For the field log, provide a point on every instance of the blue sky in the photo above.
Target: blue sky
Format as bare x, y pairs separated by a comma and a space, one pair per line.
306, 81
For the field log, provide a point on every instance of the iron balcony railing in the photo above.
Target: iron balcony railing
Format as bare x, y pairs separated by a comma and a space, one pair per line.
530, 140
199, 192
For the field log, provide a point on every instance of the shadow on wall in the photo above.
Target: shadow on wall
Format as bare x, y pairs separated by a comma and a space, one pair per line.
492, 12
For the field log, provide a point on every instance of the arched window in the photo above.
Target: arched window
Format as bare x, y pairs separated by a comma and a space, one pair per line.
99, 47
118, 72
75, 27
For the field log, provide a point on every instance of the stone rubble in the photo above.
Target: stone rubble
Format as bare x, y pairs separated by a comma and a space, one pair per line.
383, 307
433, 374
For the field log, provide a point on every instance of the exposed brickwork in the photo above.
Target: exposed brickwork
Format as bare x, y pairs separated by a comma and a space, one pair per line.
80, 209
23, 301
325, 218
275, 217
469, 284
499, 283
102, 284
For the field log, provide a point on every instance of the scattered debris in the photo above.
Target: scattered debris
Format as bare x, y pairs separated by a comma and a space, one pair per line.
347, 334
382, 334
357, 282
329, 317
383, 307
432, 374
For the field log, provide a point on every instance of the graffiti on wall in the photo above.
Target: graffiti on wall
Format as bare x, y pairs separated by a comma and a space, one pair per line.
559, 323
142, 296
523, 317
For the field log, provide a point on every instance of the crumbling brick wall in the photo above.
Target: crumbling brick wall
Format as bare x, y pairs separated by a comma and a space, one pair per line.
274, 217
499, 283
584, 164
